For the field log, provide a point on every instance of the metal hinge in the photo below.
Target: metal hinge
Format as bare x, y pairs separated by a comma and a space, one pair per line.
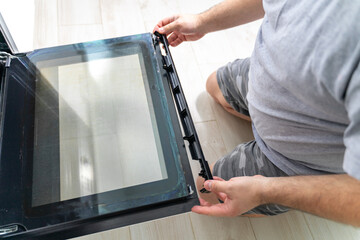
190, 190
12, 229
8, 230
5, 59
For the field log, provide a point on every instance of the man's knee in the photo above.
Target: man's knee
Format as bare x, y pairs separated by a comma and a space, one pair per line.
212, 87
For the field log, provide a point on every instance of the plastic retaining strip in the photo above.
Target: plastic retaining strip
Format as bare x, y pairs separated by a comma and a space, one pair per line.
183, 110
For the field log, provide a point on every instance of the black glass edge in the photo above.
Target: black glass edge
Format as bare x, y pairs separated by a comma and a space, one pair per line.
107, 222
141, 214
10, 171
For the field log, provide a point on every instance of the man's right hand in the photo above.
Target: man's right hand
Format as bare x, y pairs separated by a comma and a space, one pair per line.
180, 28
226, 14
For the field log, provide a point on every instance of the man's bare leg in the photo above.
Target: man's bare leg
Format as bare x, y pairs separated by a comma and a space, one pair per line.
212, 87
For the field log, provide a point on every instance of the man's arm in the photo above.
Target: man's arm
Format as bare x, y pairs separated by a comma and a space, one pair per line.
227, 14
335, 197
230, 13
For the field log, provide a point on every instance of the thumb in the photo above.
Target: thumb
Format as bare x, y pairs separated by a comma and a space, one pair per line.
216, 186
168, 28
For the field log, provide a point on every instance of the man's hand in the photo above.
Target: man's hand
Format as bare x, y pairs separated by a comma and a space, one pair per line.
239, 194
180, 28
335, 196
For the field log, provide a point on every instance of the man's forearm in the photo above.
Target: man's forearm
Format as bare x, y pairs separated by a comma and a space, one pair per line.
335, 197
230, 13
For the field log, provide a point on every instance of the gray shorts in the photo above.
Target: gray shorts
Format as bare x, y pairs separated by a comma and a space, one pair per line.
246, 159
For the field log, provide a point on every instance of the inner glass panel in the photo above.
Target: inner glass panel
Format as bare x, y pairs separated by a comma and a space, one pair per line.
104, 137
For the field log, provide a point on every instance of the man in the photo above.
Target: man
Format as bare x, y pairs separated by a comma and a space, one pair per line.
301, 90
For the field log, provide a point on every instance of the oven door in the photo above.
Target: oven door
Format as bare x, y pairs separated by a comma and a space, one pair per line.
91, 140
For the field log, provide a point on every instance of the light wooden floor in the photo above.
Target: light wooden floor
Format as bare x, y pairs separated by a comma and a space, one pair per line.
68, 21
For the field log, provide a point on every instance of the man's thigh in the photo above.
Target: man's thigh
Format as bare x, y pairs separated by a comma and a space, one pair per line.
213, 88
232, 81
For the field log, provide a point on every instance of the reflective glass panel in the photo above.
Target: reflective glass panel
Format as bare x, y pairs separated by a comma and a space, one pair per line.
100, 124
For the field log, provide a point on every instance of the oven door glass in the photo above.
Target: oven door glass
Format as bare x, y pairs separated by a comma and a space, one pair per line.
96, 128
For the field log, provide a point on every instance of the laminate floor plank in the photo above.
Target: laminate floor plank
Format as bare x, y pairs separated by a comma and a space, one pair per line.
211, 141
196, 96
79, 12
115, 234
213, 48
46, 22
290, 225
176, 227
215, 228
121, 18
155, 10
80, 33
324, 229
194, 7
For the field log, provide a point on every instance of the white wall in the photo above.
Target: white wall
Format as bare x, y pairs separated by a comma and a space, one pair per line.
19, 18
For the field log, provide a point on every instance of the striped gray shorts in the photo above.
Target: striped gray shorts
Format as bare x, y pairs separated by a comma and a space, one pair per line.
246, 159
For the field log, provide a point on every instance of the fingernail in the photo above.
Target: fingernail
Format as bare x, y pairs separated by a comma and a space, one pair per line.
161, 30
207, 185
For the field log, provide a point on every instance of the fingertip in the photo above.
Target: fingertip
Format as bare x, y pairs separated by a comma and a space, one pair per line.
195, 209
208, 184
204, 210
161, 30
217, 186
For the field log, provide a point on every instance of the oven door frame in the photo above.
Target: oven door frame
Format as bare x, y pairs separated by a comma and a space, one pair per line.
75, 228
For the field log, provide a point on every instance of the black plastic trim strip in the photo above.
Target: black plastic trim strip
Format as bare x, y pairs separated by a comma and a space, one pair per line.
183, 110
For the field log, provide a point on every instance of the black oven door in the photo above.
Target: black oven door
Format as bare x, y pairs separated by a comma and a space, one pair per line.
91, 139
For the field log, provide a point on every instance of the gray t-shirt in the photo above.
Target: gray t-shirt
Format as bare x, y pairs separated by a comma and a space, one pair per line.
304, 88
